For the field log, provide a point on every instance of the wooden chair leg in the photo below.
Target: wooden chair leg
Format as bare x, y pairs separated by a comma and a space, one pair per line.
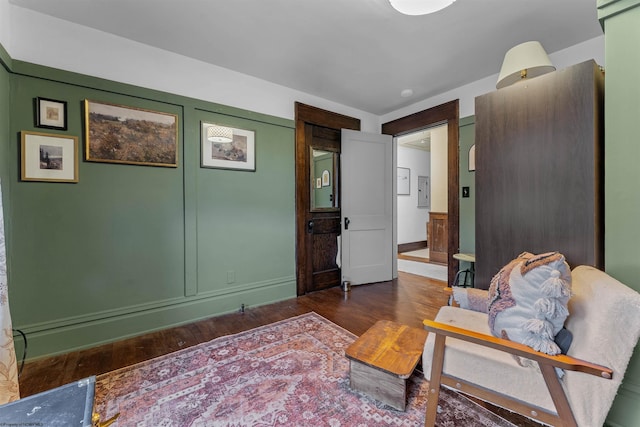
557, 395
434, 381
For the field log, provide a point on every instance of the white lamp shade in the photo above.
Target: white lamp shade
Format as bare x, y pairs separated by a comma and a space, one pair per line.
529, 56
419, 7
217, 133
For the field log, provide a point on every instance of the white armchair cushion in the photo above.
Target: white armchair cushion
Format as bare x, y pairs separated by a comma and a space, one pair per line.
492, 369
605, 322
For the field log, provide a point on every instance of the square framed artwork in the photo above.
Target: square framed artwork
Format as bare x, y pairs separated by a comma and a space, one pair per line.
48, 157
135, 136
51, 114
238, 154
404, 179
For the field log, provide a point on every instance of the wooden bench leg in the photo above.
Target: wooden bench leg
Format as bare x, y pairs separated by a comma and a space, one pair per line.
434, 381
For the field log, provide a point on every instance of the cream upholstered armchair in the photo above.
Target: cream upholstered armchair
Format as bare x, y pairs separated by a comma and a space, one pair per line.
604, 318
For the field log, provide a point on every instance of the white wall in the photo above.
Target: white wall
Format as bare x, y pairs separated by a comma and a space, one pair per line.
83, 50
590, 49
52, 42
411, 219
439, 177
5, 24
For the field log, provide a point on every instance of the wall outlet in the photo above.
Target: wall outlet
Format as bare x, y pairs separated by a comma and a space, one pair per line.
231, 277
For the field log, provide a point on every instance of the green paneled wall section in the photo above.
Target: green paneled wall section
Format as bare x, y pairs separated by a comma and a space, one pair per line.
258, 207
467, 179
129, 249
620, 20
5, 79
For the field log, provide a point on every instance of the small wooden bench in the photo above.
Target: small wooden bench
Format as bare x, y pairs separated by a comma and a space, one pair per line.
383, 358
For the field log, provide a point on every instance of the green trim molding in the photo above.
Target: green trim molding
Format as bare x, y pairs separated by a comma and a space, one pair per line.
5, 59
5, 111
609, 8
620, 19
73, 334
467, 179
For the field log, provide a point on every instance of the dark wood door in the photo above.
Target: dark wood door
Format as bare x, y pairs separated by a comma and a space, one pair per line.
318, 225
438, 235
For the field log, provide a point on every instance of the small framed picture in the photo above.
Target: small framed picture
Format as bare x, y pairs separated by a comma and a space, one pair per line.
318, 182
48, 157
224, 147
51, 114
326, 178
404, 179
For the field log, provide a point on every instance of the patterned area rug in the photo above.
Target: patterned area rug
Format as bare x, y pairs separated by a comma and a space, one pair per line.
289, 373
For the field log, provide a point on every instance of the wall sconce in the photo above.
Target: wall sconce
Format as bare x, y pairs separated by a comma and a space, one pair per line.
419, 7
217, 133
526, 60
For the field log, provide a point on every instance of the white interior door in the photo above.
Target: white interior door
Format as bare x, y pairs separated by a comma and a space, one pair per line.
367, 207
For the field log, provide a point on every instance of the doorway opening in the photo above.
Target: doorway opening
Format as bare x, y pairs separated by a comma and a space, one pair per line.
447, 226
422, 194
318, 203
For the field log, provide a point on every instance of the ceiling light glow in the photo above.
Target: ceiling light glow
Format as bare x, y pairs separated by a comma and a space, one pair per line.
406, 93
419, 7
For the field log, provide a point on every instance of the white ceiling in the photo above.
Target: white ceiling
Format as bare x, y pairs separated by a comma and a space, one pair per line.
360, 53
420, 140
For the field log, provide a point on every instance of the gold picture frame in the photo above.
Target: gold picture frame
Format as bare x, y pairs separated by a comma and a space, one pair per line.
120, 134
48, 157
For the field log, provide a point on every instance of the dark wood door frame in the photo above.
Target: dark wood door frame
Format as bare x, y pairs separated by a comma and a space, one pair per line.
305, 115
448, 113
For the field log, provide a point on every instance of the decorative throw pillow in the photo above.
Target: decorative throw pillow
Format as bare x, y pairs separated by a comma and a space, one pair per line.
528, 300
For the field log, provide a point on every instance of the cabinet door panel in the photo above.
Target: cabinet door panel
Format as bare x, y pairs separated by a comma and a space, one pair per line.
539, 170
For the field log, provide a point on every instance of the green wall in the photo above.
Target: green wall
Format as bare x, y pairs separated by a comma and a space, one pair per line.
129, 249
4, 120
322, 195
5, 108
620, 19
467, 179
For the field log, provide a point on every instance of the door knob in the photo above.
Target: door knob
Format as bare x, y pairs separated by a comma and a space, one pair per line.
346, 223
310, 227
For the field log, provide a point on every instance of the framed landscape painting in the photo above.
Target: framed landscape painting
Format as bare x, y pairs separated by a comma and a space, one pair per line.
120, 134
238, 154
48, 157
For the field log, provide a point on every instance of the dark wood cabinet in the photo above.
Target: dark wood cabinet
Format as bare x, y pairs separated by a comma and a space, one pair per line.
539, 170
438, 236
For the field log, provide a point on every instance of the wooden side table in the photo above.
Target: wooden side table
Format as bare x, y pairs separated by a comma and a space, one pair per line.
383, 358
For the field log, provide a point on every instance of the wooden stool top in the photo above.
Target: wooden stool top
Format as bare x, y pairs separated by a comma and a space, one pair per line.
389, 346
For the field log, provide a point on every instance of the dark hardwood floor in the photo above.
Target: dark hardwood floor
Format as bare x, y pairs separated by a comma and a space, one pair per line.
410, 299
